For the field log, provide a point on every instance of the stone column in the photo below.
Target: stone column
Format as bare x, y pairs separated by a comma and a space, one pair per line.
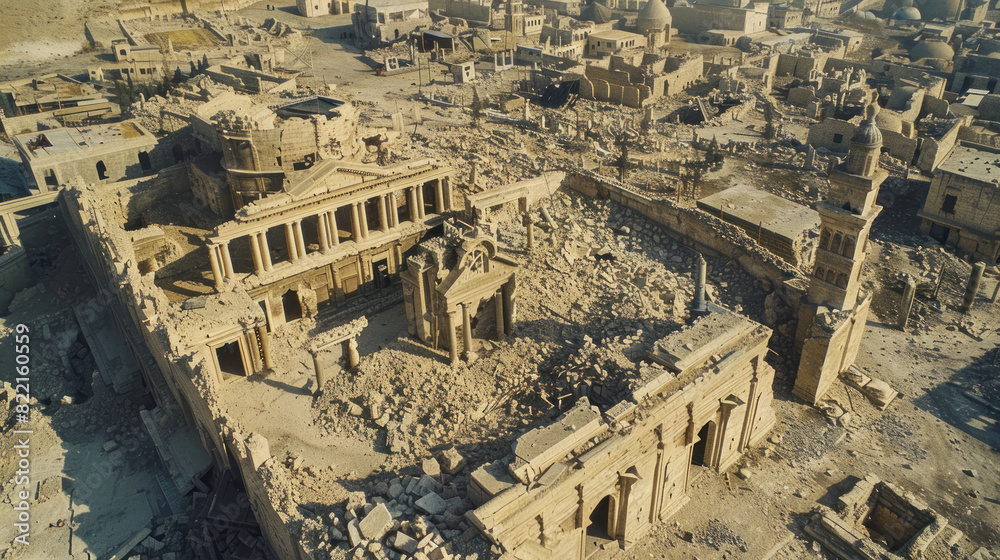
265, 252
529, 233
448, 203
258, 264
414, 210
972, 288
363, 219
699, 287
353, 358
323, 231
355, 223
498, 301
420, 201
906, 304
331, 218
265, 346
507, 291
290, 243
213, 260
466, 329
438, 197
383, 216
393, 210
320, 374
227, 260
449, 325
300, 240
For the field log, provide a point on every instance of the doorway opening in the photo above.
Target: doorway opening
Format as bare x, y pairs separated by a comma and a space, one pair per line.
291, 305
230, 360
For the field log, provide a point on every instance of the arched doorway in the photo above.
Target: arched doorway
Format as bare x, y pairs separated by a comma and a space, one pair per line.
102, 170
178, 153
701, 454
291, 305
601, 527
144, 162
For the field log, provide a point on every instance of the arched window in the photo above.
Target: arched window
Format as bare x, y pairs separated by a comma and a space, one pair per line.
102, 170
831, 276
824, 239
849, 245
842, 280
838, 240
820, 272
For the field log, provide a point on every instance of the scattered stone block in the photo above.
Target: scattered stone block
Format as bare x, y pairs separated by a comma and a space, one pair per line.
376, 523
432, 504
451, 461
403, 543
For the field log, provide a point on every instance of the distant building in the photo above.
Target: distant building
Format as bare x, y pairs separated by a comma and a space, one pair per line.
604, 43
963, 208
315, 8
384, 21
720, 22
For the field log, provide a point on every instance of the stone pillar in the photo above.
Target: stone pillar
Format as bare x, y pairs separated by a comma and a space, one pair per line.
331, 218
355, 223
466, 329
449, 204
906, 304
699, 287
529, 232
320, 374
258, 264
438, 197
393, 210
323, 232
300, 241
265, 252
265, 346
498, 301
414, 211
383, 216
290, 243
227, 260
420, 201
973, 286
353, 358
213, 260
363, 220
508, 306
449, 325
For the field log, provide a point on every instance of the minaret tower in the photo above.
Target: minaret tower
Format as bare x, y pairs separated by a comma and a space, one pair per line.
513, 18
846, 218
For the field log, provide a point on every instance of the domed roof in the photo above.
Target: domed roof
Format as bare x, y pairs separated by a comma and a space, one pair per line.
907, 14
597, 13
932, 49
864, 15
868, 134
890, 121
655, 11
938, 9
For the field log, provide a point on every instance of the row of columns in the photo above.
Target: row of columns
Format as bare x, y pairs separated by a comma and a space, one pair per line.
388, 216
503, 299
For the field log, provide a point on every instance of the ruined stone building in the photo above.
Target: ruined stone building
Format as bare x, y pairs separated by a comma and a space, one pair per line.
721, 22
385, 21
597, 478
315, 8
99, 153
51, 101
831, 325
461, 274
138, 63
960, 209
631, 78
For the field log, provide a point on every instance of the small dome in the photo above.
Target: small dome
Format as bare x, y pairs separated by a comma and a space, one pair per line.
863, 15
932, 49
654, 16
868, 134
597, 13
889, 121
907, 14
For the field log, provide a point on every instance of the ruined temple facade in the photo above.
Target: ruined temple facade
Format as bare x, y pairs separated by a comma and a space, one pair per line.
832, 322
597, 479
460, 274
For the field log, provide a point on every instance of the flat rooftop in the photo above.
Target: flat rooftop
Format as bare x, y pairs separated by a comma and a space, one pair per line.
758, 208
61, 141
973, 163
615, 35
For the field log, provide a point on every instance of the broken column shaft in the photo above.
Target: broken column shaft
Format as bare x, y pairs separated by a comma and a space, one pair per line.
973, 286
699, 286
907, 303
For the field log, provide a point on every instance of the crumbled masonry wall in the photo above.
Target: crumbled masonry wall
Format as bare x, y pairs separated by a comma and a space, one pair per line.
933, 151
15, 274
691, 227
179, 372
830, 343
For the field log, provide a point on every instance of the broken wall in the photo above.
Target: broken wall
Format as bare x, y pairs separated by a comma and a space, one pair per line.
830, 341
